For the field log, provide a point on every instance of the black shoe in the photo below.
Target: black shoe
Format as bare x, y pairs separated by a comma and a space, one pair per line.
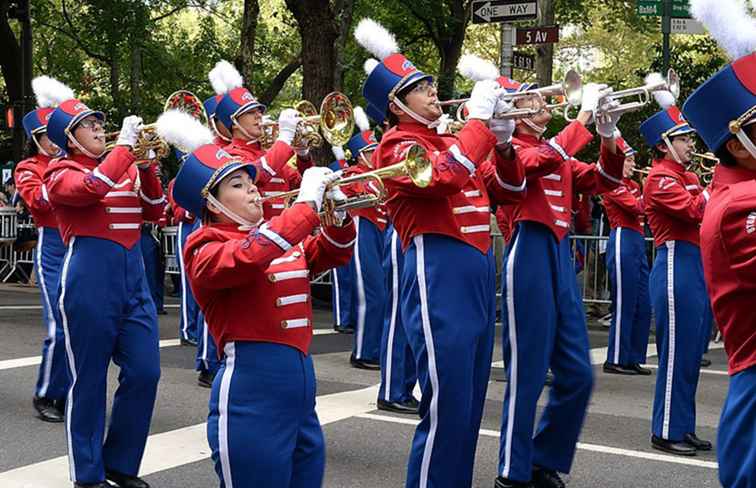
364, 363
549, 379
125, 481
705, 362
48, 410
611, 368
641, 370
546, 478
205, 379
188, 342
162, 312
408, 407
680, 448
700, 444
343, 329
103, 484
505, 483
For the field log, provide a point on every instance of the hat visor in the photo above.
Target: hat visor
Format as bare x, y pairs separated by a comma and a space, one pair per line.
680, 130
81, 116
369, 147
249, 107
226, 170
412, 80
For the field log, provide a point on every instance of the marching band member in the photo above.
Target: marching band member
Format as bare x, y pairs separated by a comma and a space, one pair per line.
250, 278
154, 267
678, 292
627, 266
188, 309
448, 277
342, 299
52, 382
104, 303
728, 231
368, 284
241, 113
542, 312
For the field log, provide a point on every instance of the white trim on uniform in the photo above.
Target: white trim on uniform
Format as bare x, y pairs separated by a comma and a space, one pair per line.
341, 245
618, 310
557, 208
555, 146
394, 311
553, 177
607, 175
472, 193
266, 167
114, 194
289, 275
562, 223
51, 326
552, 193
44, 193
273, 236
431, 352
295, 323
124, 226
277, 180
337, 291
507, 186
670, 337
513, 363
124, 210
470, 209
98, 174
223, 398
151, 201
462, 159
361, 302
205, 334
272, 193
286, 259
706, 195
182, 272
471, 229
70, 356
291, 299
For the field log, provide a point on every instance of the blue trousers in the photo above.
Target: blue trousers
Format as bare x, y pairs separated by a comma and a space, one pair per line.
369, 290
627, 265
153, 268
342, 299
544, 324
448, 310
207, 352
52, 381
188, 326
262, 429
107, 314
707, 326
678, 295
398, 375
736, 437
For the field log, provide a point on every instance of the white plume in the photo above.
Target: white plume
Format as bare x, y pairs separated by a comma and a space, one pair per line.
219, 87
338, 153
370, 65
361, 119
729, 23
477, 69
375, 38
228, 76
654, 79
664, 98
183, 131
50, 92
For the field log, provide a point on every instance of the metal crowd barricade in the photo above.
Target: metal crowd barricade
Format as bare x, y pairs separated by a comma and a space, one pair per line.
169, 245
8, 234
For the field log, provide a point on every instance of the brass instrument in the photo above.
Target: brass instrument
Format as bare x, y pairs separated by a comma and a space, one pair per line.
644, 93
643, 171
415, 165
334, 123
149, 140
704, 164
571, 88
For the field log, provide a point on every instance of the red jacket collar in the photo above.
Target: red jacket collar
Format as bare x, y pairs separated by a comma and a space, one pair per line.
84, 160
415, 128
670, 165
245, 144
729, 175
528, 139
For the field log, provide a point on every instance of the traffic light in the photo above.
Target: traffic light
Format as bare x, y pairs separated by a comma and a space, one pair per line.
10, 117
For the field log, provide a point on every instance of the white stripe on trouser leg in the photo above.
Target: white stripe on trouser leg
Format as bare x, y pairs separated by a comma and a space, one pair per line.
230, 351
513, 362
184, 290
670, 337
51, 326
392, 321
618, 311
361, 305
70, 356
337, 291
431, 351
204, 345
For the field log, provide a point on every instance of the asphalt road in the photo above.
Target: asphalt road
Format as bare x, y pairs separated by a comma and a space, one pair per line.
365, 447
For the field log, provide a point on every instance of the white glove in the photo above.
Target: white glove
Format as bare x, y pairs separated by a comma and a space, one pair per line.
314, 183
502, 129
483, 99
606, 123
591, 94
338, 153
130, 129
302, 152
443, 124
287, 125
336, 195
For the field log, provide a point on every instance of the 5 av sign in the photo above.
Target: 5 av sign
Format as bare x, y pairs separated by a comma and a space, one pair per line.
537, 35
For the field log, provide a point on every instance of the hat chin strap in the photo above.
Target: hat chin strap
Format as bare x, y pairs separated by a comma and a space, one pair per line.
747, 142
672, 151
216, 131
251, 140
41, 149
417, 117
244, 223
539, 129
83, 149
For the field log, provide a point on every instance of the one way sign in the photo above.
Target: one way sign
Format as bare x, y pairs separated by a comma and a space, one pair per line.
486, 11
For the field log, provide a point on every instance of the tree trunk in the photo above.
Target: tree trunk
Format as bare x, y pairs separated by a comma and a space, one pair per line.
545, 52
10, 57
115, 89
344, 9
136, 79
246, 60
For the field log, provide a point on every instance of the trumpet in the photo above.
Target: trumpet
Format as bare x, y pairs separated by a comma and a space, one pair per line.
644, 93
415, 165
571, 88
335, 122
703, 165
149, 140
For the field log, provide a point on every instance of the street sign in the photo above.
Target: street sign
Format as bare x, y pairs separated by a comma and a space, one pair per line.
486, 11
523, 61
538, 35
687, 26
680, 8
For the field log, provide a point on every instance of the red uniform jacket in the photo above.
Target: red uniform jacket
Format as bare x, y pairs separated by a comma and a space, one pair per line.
624, 206
178, 213
674, 203
728, 248
274, 175
108, 199
463, 186
254, 285
377, 214
582, 221
29, 177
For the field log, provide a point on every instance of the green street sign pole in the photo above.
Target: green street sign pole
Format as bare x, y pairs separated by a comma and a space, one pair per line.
666, 30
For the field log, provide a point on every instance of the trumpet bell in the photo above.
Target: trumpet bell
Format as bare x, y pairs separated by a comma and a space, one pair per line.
336, 119
418, 167
573, 88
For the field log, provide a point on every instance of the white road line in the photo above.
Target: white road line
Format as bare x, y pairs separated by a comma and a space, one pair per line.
183, 446
581, 445
703, 370
35, 360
